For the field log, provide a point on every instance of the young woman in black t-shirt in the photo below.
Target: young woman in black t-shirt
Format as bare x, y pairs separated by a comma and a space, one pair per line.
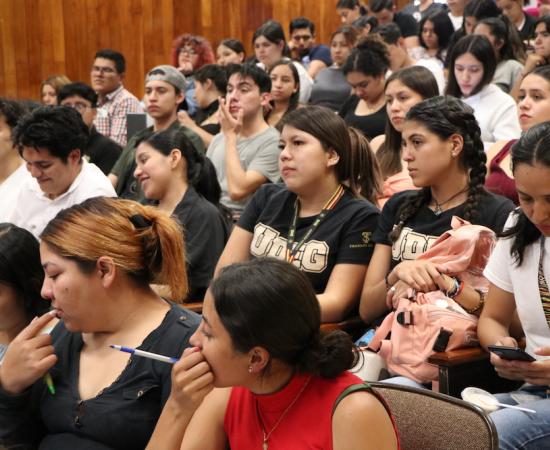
444, 154
316, 220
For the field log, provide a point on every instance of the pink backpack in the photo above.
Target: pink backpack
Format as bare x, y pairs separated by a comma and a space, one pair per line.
432, 322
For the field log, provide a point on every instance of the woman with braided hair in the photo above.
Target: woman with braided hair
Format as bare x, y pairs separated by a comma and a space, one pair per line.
444, 154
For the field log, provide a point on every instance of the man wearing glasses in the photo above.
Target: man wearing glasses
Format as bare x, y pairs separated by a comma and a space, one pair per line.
303, 48
114, 101
101, 151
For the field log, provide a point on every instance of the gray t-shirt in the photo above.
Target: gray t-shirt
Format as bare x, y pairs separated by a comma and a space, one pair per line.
331, 89
259, 153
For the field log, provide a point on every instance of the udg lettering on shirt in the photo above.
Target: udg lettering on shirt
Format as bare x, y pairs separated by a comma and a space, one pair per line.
410, 245
268, 242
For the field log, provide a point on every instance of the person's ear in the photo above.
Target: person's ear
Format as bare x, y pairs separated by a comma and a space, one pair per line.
456, 144
180, 97
106, 270
74, 156
207, 84
259, 358
333, 158
175, 157
265, 98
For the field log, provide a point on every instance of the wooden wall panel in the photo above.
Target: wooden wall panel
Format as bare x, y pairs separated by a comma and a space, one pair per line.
39, 38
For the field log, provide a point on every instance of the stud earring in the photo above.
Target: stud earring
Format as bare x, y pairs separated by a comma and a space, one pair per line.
250, 368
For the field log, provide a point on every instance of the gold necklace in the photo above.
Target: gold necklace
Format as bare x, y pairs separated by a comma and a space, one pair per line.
438, 206
266, 436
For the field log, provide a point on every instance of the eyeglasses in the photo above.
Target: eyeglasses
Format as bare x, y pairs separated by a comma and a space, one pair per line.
103, 70
80, 107
190, 51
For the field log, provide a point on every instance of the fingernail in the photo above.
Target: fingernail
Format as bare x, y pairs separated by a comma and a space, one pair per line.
35, 317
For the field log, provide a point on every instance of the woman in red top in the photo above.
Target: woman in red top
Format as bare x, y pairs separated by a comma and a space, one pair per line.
533, 108
278, 381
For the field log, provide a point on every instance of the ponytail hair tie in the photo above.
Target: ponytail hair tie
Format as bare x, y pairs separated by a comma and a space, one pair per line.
140, 222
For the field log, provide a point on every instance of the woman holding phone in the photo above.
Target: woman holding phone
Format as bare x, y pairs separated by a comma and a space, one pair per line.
519, 272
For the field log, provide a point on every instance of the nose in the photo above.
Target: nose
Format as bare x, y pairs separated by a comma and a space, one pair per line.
524, 104
46, 291
137, 172
406, 155
394, 105
195, 339
34, 170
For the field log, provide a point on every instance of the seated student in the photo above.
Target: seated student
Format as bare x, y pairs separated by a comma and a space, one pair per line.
264, 376
420, 9
21, 278
472, 66
456, 12
541, 55
519, 272
100, 150
183, 181
404, 89
114, 101
400, 57
331, 89
99, 258
434, 33
51, 140
445, 158
303, 49
314, 220
285, 91
524, 23
230, 51
384, 11
350, 10
210, 85
50, 88
365, 70
13, 172
164, 91
364, 25
508, 49
245, 152
189, 54
270, 47
533, 108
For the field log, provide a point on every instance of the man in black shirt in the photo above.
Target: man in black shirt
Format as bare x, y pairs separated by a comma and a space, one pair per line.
101, 151
384, 11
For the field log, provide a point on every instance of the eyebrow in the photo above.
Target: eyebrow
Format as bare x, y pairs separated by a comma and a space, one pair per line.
48, 264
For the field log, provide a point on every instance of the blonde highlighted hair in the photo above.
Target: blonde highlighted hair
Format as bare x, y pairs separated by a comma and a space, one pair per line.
142, 241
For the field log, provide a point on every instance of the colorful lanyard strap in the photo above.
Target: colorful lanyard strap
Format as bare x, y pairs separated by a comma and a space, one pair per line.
543, 286
292, 249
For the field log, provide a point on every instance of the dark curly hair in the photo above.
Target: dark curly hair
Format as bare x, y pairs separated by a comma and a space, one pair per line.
370, 57
445, 116
531, 148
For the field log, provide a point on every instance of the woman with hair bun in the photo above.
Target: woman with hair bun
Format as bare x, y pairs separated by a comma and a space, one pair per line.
286, 384
365, 70
319, 218
183, 182
445, 159
100, 258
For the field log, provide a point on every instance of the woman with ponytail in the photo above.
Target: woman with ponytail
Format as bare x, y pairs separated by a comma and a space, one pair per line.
288, 383
100, 258
322, 217
508, 48
445, 159
519, 273
183, 182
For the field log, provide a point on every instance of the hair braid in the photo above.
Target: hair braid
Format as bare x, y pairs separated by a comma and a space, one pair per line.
476, 160
409, 208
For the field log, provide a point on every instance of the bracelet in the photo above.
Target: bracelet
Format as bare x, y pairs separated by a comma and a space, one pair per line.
480, 303
452, 291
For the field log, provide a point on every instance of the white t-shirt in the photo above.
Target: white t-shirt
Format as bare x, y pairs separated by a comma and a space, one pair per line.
522, 281
496, 113
436, 68
456, 20
34, 209
306, 82
9, 192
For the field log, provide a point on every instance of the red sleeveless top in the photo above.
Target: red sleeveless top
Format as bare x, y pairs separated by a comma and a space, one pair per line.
497, 181
306, 425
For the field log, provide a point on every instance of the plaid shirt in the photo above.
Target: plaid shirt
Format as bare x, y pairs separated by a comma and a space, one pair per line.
111, 114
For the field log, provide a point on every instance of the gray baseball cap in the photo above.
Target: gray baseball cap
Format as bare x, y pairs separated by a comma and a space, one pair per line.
167, 73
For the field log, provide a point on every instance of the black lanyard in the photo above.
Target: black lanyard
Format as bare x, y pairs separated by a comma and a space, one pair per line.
292, 249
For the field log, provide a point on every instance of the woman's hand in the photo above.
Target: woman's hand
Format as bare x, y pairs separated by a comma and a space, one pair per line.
228, 123
533, 60
420, 275
192, 380
536, 372
185, 120
29, 356
397, 291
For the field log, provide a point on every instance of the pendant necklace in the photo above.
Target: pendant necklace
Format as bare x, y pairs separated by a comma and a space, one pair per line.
438, 206
266, 436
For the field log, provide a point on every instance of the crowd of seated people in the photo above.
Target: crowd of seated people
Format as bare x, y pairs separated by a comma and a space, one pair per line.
298, 185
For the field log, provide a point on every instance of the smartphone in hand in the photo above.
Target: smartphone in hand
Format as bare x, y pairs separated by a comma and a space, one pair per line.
510, 353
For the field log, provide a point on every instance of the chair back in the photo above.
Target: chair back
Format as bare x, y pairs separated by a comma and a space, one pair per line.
428, 420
